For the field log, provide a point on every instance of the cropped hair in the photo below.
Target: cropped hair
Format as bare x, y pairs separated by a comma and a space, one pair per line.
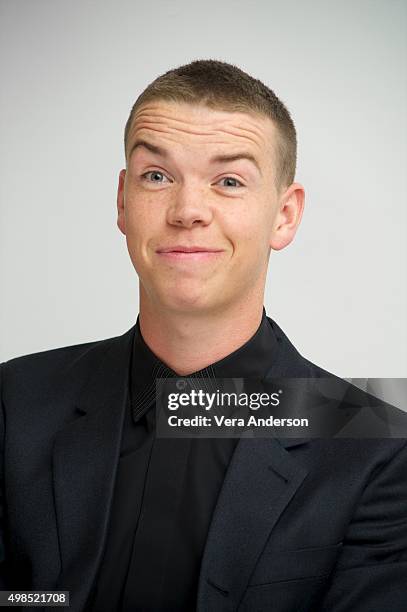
222, 86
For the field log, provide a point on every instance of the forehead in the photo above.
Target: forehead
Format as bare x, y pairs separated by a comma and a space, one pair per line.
193, 125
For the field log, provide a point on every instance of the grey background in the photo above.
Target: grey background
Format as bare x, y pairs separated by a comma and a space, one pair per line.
70, 72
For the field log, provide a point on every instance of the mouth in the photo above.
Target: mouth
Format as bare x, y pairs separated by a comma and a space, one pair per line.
188, 253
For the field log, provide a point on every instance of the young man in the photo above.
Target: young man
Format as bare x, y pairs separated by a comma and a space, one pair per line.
96, 503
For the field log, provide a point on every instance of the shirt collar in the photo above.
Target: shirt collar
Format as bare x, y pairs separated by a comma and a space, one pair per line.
252, 360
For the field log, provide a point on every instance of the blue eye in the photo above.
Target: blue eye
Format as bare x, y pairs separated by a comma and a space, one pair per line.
231, 182
155, 176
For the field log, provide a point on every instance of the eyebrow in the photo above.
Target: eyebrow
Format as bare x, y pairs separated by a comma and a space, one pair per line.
150, 147
216, 159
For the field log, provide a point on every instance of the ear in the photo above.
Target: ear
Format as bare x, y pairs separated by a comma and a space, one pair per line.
288, 217
121, 220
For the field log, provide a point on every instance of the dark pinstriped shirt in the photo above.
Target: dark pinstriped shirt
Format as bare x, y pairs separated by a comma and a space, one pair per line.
166, 490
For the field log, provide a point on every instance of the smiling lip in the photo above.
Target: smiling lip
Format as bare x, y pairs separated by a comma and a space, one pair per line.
186, 249
188, 253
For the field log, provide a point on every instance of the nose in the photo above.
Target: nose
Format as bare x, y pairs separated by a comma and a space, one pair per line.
190, 207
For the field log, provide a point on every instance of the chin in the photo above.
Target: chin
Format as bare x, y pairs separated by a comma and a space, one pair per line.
189, 302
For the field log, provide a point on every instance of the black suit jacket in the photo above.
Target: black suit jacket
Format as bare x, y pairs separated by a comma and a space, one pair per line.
300, 525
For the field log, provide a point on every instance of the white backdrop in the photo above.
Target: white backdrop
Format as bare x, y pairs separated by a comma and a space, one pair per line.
70, 73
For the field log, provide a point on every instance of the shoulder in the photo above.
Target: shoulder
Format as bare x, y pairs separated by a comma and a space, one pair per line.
58, 367
336, 404
289, 360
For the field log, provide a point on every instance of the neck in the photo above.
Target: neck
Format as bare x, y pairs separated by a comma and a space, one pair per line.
189, 342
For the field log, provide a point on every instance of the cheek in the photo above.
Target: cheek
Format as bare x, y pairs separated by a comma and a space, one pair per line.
141, 221
142, 216
250, 229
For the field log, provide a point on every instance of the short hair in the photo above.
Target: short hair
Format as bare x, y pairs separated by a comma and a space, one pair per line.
222, 86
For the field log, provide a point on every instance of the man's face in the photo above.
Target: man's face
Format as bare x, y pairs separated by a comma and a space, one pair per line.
199, 206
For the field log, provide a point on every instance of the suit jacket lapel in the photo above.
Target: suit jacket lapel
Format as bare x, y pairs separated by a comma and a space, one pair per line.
261, 480
85, 457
